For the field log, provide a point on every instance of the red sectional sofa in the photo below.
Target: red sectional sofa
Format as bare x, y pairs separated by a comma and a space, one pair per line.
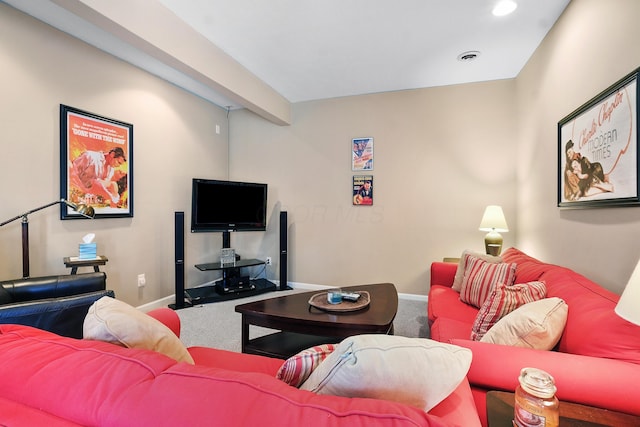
595, 363
47, 379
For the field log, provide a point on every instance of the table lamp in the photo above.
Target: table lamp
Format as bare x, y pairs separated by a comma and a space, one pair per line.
84, 210
494, 222
629, 304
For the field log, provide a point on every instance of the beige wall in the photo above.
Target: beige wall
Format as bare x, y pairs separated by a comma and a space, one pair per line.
593, 45
440, 156
174, 140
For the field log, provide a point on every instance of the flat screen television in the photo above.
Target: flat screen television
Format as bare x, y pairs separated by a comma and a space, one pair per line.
225, 206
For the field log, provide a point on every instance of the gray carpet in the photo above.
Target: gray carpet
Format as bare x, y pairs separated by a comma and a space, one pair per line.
218, 325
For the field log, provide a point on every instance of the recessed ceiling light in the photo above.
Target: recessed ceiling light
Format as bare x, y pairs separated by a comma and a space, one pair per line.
504, 7
468, 56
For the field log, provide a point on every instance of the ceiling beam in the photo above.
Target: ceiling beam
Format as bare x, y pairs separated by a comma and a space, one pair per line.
153, 29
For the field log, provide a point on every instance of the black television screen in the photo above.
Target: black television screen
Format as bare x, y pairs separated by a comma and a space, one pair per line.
228, 206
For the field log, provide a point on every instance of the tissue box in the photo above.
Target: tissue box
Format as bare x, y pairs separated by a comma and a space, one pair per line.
88, 251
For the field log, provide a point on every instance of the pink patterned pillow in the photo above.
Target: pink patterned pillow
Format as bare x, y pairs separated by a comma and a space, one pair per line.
502, 301
296, 369
481, 277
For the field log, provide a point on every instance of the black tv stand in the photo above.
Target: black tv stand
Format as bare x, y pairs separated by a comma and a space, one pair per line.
245, 285
232, 286
235, 283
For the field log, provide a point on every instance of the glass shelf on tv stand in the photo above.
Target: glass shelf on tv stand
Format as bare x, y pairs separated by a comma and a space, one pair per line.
238, 264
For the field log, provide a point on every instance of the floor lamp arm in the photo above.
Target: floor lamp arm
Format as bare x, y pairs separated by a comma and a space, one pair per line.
24, 215
25, 233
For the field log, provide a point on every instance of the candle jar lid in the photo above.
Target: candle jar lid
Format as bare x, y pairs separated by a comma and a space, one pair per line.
537, 382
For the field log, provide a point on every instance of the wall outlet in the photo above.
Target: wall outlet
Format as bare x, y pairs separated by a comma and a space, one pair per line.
268, 261
142, 280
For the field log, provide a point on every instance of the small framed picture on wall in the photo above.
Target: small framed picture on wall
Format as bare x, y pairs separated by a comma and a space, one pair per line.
363, 190
362, 154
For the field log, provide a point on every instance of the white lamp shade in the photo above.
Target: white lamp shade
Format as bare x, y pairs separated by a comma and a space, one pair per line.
629, 305
493, 220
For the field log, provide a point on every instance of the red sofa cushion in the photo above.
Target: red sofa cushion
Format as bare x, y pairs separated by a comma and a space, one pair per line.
168, 317
247, 399
445, 329
528, 269
459, 406
15, 414
73, 379
224, 359
587, 380
593, 328
445, 302
93, 383
443, 273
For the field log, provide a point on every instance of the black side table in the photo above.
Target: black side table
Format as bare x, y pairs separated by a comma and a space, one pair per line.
74, 262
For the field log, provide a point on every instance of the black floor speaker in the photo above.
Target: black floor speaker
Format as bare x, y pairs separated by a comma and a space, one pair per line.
179, 259
283, 251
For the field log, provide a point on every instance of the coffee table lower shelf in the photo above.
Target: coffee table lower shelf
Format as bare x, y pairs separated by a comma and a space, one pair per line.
285, 344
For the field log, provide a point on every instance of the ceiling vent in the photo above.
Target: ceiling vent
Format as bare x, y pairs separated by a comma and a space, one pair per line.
469, 56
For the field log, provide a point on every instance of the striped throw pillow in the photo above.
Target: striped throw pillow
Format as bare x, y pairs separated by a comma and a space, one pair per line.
464, 258
296, 369
480, 279
502, 301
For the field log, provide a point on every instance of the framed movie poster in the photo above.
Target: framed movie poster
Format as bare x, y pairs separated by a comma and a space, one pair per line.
96, 164
598, 150
362, 154
363, 190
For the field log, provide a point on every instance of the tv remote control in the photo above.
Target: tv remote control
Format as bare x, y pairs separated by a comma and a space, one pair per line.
350, 296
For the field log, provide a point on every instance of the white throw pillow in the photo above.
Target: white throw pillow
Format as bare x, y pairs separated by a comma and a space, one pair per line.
119, 323
537, 325
457, 280
415, 371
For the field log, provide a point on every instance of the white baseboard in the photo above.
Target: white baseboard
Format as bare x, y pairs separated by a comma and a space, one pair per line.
162, 302
171, 299
413, 297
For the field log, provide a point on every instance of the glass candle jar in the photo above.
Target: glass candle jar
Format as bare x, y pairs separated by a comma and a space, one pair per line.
536, 404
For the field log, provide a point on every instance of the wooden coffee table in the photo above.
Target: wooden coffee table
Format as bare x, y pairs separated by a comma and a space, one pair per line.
500, 413
301, 326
